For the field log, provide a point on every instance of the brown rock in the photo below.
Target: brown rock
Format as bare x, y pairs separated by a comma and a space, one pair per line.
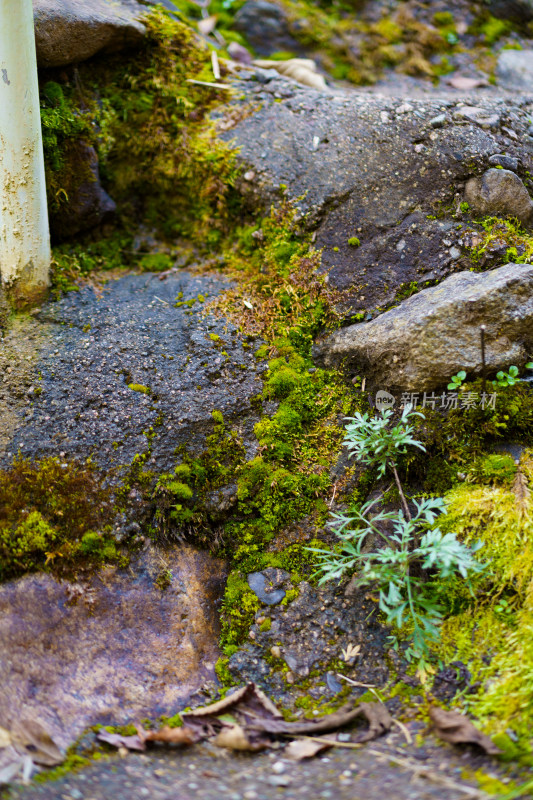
113, 650
83, 203
69, 31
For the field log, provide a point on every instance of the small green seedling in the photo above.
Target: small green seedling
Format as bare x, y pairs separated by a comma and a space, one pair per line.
506, 378
457, 380
415, 542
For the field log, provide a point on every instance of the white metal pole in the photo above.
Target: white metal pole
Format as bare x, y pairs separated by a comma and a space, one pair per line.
24, 233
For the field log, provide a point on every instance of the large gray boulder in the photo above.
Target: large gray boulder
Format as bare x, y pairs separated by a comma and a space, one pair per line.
69, 31
500, 193
386, 171
421, 343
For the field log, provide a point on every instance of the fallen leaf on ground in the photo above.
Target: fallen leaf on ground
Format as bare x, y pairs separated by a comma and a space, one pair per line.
117, 740
168, 735
236, 738
5, 738
464, 83
351, 652
30, 737
250, 695
303, 70
305, 748
376, 714
455, 728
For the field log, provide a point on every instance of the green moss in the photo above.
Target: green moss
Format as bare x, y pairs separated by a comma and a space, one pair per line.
498, 468
239, 608
443, 19
164, 579
138, 387
502, 240
290, 595
223, 674
156, 262
492, 28
53, 516
265, 625
72, 763
353, 241
160, 157
494, 637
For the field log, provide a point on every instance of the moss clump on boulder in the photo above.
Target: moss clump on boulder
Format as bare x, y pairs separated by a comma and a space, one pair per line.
53, 515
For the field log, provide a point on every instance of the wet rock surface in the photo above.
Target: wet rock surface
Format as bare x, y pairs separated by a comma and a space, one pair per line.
111, 649
422, 342
89, 205
320, 628
377, 169
97, 345
69, 31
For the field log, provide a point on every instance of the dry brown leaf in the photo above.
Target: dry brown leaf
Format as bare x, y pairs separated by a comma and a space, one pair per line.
5, 738
522, 492
376, 714
235, 738
168, 735
207, 25
255, 700
303, 70
117, 740
30, 737
455, 728
464, 83
306, 748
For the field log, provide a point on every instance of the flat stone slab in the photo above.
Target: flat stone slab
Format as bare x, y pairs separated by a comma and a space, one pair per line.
111, 650
91, 347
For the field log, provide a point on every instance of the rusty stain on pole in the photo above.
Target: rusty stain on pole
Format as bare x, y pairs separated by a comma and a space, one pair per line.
24, 232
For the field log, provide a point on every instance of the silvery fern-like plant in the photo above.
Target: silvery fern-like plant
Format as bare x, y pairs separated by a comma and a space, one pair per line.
371, 441
415, 539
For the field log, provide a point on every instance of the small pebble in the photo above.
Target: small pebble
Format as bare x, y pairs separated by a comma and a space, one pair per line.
438, 121
280, 780
278, 767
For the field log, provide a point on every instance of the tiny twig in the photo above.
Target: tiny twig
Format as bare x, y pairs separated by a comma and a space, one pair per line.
400, 490
404, 730
356, 683
483, 364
